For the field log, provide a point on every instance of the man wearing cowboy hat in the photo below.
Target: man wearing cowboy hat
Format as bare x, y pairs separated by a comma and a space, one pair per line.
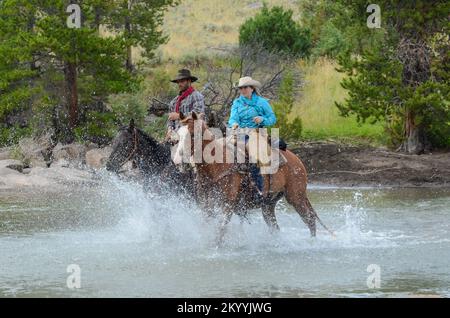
188, 99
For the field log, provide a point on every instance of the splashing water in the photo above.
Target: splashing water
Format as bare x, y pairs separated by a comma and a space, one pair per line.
131, 243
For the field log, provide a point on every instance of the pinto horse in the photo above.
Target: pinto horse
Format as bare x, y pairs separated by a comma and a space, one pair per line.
222, 182
152, 159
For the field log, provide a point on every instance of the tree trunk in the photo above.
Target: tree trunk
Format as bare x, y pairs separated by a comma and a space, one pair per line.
414, 54
72, 93
97, 20
415, 138
129, 62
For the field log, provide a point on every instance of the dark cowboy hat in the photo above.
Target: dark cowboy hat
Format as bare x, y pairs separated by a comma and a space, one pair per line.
184, 74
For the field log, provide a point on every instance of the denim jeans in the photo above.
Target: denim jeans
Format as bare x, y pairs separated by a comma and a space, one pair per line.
255, 172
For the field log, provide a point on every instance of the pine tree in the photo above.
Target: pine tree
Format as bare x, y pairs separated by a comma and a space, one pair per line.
44, 62
138, 22
276, 30
402, 75
289, 128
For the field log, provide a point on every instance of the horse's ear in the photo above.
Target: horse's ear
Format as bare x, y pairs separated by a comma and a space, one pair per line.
194, 116
131, 124
182, 116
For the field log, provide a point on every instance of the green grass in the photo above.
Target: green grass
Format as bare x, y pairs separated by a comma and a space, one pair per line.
320, 116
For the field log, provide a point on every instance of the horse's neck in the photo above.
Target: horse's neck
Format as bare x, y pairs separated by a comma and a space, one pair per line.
210, 137
213, 169
152, 155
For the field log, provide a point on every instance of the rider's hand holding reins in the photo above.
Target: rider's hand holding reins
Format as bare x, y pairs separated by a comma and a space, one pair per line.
258, 119
174, 116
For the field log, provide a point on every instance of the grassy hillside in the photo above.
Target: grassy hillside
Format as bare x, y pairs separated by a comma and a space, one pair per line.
200, 27
320, 116
197, 26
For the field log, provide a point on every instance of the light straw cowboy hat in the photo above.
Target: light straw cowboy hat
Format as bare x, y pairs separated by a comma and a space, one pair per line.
248, 81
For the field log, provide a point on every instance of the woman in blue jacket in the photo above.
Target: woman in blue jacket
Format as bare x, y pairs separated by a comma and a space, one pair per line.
250, 110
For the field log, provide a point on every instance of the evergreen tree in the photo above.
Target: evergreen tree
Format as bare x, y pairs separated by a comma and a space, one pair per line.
289, 128
403, 76
139, 23
276, 31
44, 62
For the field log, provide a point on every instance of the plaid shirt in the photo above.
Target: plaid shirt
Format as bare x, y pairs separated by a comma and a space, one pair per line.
194, 102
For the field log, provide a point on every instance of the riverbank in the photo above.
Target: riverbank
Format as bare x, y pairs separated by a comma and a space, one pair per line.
331, 163
327, 163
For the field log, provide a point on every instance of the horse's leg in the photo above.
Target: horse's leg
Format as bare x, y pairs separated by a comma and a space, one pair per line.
268, 211
227, 214
204, 200
230, 198
300, 204
308, 216
209, 205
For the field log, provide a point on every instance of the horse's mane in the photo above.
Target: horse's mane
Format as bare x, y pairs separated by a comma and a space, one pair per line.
149, 139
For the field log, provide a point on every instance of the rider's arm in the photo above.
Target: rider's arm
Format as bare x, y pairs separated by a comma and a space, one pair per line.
198, 104
234, 117
170, 124
268, 115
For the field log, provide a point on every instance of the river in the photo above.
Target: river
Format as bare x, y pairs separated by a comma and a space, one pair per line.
124, 243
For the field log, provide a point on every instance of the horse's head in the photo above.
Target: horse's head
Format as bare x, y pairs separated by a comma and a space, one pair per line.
192, 126
124, 147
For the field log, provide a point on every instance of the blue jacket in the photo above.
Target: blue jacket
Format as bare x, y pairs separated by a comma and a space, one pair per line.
244, 110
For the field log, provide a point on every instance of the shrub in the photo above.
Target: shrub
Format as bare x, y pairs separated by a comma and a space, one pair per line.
277, 31
99, 128
11, 135
127, 106
331, 42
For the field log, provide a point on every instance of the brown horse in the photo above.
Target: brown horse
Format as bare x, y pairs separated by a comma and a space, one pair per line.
223, 183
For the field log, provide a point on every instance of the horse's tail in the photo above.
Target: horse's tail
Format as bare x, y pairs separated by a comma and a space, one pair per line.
318, 219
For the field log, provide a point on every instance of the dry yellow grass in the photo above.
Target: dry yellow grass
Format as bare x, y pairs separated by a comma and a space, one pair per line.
321, 89
316, 106
196, 26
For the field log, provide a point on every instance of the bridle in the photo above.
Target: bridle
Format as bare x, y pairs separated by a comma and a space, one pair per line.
135, 147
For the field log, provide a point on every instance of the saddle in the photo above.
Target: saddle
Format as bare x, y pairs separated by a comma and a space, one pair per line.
273, 151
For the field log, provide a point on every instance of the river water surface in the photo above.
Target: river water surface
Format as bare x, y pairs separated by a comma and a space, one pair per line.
129, 244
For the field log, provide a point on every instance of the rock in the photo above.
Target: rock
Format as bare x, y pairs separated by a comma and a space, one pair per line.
62, 163
12, 164
90, 145
96, 158
53, 179
5, 154
74, 153
12, 180
18, 167
7, 162
36, 151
